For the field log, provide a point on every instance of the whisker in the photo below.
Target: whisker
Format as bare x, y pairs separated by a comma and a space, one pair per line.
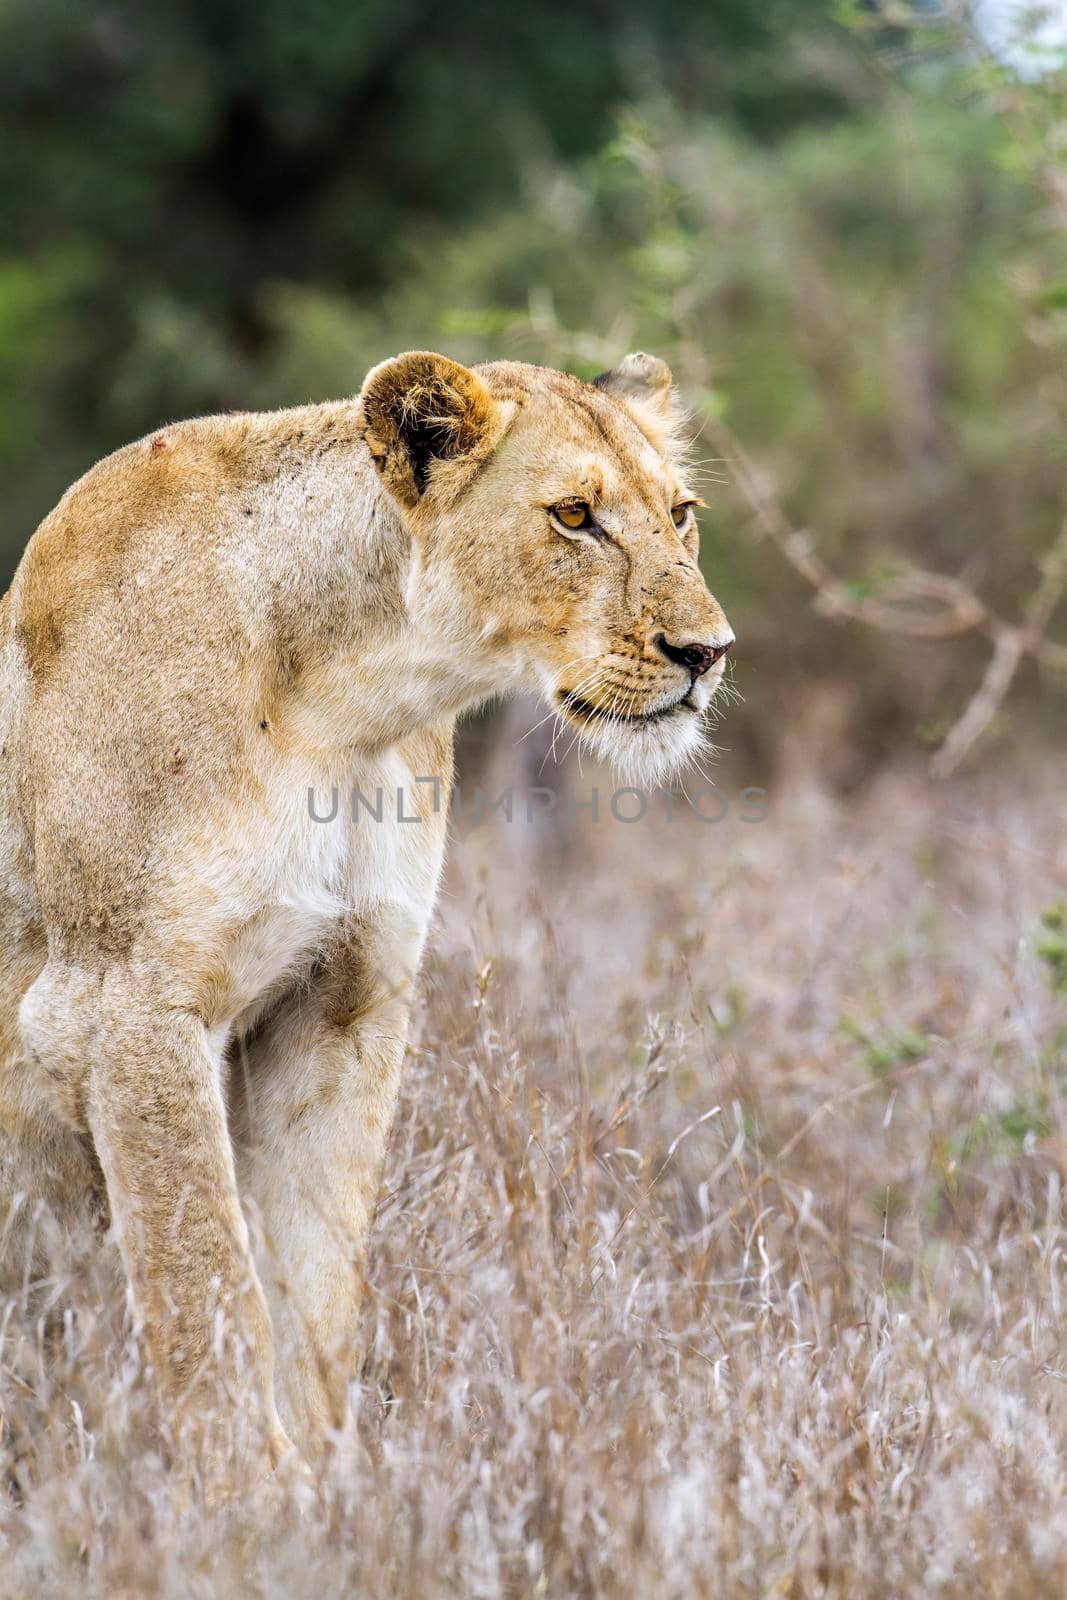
584, 683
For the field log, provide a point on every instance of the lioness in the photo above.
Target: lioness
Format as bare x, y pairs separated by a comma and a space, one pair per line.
205, 989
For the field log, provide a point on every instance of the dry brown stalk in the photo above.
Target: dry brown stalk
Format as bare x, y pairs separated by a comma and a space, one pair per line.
941, 606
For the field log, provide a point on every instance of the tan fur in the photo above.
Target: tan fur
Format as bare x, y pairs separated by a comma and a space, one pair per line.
204, 993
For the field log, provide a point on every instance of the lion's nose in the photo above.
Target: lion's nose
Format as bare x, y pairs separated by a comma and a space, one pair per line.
696, 655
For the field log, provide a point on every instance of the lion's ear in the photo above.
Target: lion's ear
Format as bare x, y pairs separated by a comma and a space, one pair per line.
643, 378
423, 413
643, 383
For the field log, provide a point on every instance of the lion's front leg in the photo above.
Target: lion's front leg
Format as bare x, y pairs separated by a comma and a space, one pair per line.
313, 1102
145, 1078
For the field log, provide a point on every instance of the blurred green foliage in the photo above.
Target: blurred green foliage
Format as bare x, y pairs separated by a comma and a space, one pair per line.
1052, 946
186, 188
848, 237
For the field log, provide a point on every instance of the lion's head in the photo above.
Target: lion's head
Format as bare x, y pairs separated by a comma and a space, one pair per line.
558, 518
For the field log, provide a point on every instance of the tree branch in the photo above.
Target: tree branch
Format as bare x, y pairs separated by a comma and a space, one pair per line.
904, 604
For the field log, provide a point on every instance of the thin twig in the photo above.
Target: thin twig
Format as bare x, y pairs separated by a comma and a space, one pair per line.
957, 609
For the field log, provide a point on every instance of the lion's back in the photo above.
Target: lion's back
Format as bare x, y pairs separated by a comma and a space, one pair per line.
145, 520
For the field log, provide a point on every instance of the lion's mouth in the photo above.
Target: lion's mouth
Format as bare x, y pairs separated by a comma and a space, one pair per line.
584, 710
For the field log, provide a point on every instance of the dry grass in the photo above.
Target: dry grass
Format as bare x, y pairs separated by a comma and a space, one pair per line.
620, 1342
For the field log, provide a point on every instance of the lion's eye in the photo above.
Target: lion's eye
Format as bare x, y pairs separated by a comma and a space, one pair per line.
680, 514
576, 516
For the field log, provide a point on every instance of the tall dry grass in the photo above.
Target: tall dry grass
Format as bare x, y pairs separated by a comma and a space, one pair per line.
721, 1251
